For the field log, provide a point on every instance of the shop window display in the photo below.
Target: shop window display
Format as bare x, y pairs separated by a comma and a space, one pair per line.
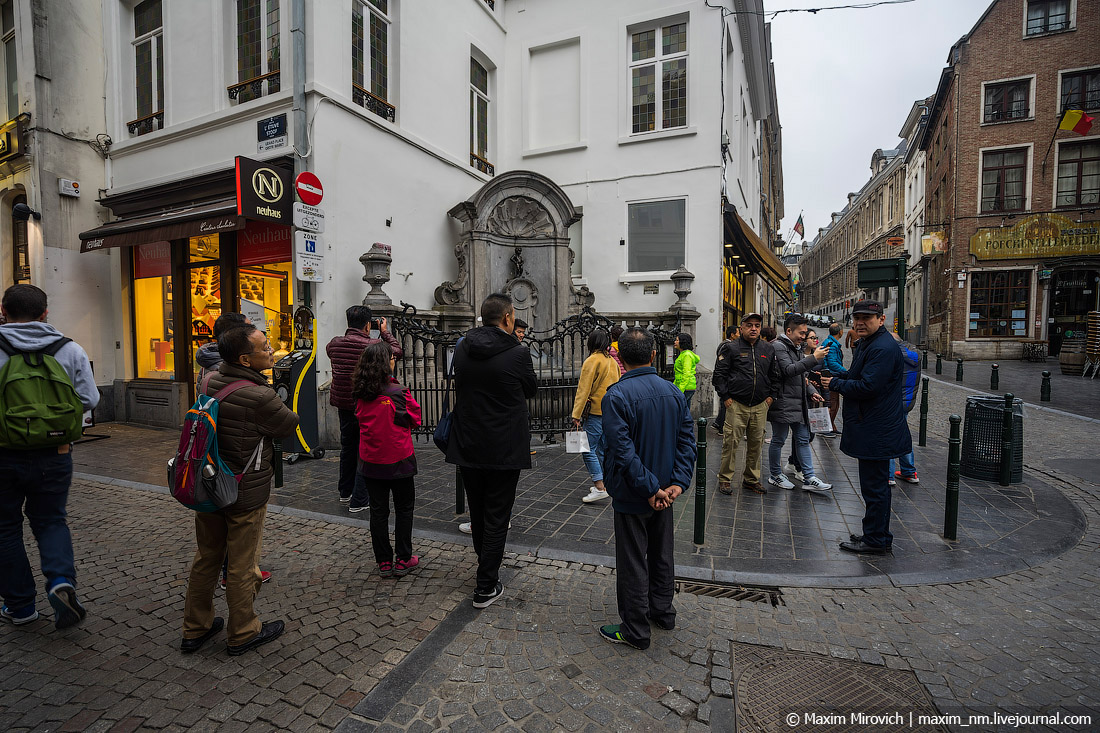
205, 290
153, 311
265, 282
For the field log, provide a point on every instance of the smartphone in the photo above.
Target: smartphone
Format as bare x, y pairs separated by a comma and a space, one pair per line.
825, 373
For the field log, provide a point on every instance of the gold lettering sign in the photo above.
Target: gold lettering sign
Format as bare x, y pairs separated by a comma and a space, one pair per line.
1039, 236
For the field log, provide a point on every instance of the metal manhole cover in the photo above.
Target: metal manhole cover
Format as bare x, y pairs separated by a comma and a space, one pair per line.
775, 687
733, 592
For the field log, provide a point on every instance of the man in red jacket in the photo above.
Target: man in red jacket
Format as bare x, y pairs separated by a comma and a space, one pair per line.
343, 354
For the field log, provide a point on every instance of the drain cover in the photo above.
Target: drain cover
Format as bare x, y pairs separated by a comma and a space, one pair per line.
733, 592
774, 687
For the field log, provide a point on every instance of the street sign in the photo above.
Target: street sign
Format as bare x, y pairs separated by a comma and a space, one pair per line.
309, 188
888, 273
271, 133
309, 258
895, 241
310, 218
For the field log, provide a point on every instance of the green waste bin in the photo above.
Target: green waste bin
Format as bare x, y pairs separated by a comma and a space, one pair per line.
983, 426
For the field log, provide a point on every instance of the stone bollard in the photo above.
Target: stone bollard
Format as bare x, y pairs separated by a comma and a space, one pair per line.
994, 378
951, 503
1006, 442
939, 363
701, 483
923, 439
1044, 389
959, 370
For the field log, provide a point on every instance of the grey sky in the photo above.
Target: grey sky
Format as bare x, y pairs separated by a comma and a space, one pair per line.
846, 80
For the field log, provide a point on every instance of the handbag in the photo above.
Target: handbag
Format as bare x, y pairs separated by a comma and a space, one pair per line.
819, 420
442, 434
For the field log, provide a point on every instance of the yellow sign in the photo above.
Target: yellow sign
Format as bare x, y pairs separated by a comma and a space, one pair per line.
933, 242
1039, 236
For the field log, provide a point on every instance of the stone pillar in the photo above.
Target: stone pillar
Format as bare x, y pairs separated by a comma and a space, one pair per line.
686, 314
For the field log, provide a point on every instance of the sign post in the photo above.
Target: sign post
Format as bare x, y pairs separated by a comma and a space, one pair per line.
309, 258
887, 273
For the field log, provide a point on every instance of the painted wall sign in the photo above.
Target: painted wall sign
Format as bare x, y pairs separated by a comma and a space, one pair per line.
1038, 236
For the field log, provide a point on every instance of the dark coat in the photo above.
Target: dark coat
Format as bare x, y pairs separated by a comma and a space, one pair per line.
246, 417
874, 416
743, 371
493, 378
792, 393
343, 355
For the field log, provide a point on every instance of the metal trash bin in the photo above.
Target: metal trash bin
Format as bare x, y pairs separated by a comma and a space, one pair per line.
982, 436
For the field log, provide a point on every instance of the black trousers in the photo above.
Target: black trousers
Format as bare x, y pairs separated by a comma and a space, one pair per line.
349, 454
645, 572
491, 495
404, 495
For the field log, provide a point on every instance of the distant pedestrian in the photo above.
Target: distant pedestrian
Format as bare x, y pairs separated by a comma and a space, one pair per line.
742, 379
343, 354
387, 413
875, 429
650, 458
720, 420
248, 420
520, 330
908, 465
490, 438
834, 366
850, 338
684, 366
35, 475
598, 372
616, 332
768, 334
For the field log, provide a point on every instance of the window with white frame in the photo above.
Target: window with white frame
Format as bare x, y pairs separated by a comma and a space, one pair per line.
1046, 16
257, 49
1081, 89
1004, 180
1078, 174
1007, 101
11, 75
148, 68
658, 77
371, 22
479, 117
656, 235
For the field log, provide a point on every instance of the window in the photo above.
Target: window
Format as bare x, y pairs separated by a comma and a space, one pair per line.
21, 270
479, 118
370, 56
11, 75
257, 49
1044, 16
999, 303
153, 313
656, 106
1008, 101
148, 68
656, 235
1078, 174
1081, 90
1004, 178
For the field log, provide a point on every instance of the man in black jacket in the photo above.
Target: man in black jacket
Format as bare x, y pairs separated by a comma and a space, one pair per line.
490, 440
741, 379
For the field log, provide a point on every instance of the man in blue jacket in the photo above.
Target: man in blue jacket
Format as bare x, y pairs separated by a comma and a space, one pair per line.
834, 364
650, 455
875, 429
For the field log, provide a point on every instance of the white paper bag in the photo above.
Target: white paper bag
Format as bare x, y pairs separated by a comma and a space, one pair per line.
819, 420
576, 441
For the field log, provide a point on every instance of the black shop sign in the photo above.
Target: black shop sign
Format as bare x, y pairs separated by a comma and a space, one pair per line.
264, 192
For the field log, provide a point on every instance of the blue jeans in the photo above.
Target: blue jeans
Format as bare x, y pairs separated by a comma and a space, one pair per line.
908, 467
593, 459
687, 397
801, 448
35, 482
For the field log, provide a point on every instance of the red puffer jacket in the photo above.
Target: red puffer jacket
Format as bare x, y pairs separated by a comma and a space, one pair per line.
343, 354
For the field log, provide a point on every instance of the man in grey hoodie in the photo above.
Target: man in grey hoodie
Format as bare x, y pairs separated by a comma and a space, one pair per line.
207, 356
37, 481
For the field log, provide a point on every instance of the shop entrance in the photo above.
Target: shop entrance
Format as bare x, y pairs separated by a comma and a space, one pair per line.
204, 296
1073, 293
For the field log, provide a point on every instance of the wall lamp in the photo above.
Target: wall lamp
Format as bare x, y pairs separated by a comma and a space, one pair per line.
22, 212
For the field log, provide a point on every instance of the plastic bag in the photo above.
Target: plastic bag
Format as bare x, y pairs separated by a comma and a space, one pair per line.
576, 441
819, 420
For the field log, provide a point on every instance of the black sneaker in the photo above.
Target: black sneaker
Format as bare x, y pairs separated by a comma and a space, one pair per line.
270, 631
613, 634
190, 646
484, 600
67, 609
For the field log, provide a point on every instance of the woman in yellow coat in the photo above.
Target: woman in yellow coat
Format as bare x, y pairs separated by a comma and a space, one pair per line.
685, 367
598, 372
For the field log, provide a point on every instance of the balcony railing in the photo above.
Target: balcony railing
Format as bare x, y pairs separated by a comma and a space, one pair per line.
492, 4
377, 105
482, 165
255, 86
145, 124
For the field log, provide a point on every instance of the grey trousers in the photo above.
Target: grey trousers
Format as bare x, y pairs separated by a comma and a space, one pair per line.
645, 572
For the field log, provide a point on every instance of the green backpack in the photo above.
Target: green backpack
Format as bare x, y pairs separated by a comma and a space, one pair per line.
39, 407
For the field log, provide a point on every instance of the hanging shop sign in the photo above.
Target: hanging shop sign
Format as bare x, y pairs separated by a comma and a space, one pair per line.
933, 243
263, 191
1038, 236
11, 140
309, 258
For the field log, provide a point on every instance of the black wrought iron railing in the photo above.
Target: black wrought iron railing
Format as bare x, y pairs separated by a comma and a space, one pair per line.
145, 124
482, 165
254, 88
377, 105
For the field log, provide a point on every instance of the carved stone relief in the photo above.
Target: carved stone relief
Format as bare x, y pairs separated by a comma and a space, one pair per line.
450, 292
519, 216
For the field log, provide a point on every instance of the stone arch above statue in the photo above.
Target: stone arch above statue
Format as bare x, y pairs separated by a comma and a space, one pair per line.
518, 204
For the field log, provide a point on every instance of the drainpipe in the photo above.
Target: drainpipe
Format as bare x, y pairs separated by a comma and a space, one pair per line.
298, 44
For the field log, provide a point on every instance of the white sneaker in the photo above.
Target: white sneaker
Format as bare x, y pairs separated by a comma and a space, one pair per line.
816, 485
800, 476
594, 495
781, 482
789, 468
468, 527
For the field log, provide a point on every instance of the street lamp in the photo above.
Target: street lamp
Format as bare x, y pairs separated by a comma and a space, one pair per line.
22, 212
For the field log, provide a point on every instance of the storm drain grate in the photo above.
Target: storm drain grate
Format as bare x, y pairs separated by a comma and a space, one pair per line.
732, 591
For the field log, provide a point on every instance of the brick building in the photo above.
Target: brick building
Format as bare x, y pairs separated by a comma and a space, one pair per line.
1012, 228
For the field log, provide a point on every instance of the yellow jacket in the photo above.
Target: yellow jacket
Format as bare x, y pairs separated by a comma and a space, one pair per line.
598, 372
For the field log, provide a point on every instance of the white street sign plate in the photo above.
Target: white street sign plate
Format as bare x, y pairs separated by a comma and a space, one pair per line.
310, 218
309, 258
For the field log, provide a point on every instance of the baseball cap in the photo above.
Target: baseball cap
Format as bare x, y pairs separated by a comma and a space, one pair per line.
750, 316
868, 306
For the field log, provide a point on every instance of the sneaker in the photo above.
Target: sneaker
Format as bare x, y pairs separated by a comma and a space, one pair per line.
345, 499
404, 567
356, 509
269, 631
781, 482
484, 600
67, 609
830, 434
466, 528
891, 482
816, 485
611, 633
23, 616
800, 476
907, 479
790, 468
385, 569
594, 495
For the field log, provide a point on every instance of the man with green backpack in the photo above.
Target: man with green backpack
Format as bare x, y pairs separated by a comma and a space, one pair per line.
46, 385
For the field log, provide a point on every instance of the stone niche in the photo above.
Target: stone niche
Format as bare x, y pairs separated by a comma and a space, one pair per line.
514, 240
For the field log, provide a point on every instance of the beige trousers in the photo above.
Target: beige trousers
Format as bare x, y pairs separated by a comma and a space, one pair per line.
742, 421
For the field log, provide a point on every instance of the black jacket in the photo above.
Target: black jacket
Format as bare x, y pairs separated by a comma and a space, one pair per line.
743, 371
493, 378
792, 390
874, 413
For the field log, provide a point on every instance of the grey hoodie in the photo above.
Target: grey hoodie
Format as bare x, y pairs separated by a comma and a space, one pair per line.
36, 335
208, 356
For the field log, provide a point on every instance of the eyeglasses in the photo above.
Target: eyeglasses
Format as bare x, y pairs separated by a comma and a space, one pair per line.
267, 349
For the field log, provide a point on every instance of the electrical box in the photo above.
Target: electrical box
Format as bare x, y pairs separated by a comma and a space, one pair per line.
68, 187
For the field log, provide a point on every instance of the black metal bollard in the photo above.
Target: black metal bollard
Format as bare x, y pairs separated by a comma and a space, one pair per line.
924, 363
701, 483
959, 370
994, 378
923, 439
1044, 389
277, 462
460, 492
1006, 442
951, 503
939, 363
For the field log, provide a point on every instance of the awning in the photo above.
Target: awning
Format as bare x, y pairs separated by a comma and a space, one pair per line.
193, 221
759, 258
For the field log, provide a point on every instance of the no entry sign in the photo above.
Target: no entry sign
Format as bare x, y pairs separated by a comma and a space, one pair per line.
309, 188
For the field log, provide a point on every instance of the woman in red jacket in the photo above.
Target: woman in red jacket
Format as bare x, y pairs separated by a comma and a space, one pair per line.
387, 413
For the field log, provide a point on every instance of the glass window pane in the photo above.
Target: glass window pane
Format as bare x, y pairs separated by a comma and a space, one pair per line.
11, 82
479, 77
249, 45
674, 39
643, 45
268, 289
357, 40
153, 328
143, 66
674, 93
482, 127
379, 57
656, 234
643, 94
273, 44
159, 102
206, 306
382, 5
147, 17
7, 16
201, 249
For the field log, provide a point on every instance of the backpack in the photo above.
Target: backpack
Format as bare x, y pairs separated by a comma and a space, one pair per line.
39, 407
911, 377
197, 475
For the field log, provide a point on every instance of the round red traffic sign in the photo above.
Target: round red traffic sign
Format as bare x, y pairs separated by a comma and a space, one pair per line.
309, 188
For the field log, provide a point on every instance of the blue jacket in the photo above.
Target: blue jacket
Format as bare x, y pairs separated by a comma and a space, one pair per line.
874, 417
834, 360
649, 437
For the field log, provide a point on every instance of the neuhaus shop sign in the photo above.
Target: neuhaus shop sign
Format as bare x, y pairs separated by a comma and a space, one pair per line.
264, 192
1039, 236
